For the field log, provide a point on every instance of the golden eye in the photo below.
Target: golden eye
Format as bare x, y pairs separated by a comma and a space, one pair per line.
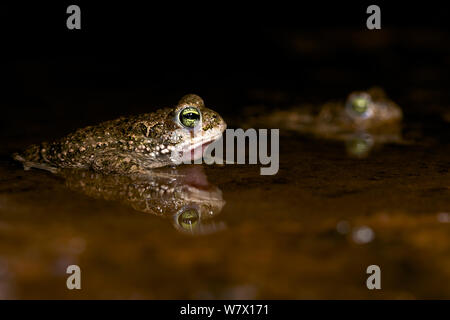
189, 117
188, 219
360, 105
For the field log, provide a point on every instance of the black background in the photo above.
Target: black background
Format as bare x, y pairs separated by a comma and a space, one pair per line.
130, 57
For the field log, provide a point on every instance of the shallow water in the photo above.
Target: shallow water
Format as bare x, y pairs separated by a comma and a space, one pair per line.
309, 231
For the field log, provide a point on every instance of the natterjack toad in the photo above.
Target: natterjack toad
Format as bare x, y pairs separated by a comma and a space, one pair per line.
364, 120
133, 144
369, 111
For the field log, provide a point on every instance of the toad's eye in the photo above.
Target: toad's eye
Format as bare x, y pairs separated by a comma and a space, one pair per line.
189, 117
188, 219
360, 105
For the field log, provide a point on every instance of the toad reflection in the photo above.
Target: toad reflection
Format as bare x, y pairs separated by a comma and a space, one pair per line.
360, 144
182, 194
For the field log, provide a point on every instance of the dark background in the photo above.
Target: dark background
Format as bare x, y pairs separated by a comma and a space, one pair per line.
281, 239
130, 58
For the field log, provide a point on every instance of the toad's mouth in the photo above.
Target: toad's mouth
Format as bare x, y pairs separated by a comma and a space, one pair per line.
194, 146
201, 148
195, 151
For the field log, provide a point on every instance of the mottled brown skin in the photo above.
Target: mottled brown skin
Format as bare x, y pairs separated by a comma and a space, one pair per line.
128, 145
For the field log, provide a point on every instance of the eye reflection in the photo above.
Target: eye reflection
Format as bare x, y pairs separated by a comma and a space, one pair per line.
359, 145
188, 219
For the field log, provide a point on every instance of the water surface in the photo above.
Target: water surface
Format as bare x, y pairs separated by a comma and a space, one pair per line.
309, 231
